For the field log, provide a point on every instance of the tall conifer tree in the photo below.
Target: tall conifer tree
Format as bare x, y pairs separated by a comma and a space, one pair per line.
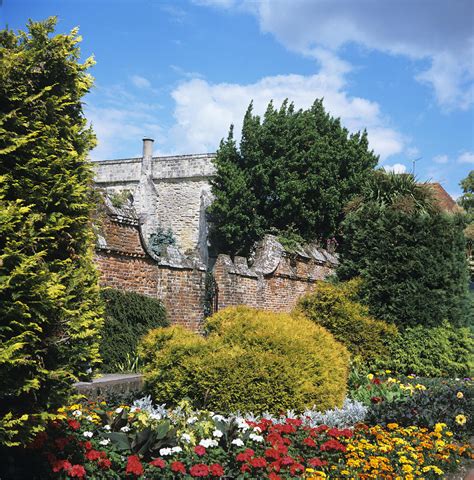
49, 305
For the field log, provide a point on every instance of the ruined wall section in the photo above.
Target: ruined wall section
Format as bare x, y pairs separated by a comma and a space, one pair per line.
182, 195
274, 282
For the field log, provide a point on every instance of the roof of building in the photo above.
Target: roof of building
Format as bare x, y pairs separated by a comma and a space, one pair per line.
443, 199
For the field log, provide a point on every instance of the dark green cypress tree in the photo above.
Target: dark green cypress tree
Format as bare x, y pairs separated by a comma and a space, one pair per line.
295, 169
50, 313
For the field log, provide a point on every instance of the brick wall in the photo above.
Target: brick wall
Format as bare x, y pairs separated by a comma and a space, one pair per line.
124, 264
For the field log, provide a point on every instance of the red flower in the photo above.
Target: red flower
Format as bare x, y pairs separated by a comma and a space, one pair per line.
296, 422
134, 465
158, 462
376, 399
287, 461
178, 467
333, 445
216, 470
74, 424
295, 468
59, 465
272, 453
316, 462
309, 441
199, 470
274, 476
93, 455
245, 456
87, 445
104, 463
200, 450
258, 462
376, 381
77, 471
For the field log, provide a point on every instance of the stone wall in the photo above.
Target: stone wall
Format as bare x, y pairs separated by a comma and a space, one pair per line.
170, 192
274, 282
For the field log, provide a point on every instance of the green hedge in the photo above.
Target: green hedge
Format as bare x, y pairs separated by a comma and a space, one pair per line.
443, 351
334, 306
250, 361
128, 316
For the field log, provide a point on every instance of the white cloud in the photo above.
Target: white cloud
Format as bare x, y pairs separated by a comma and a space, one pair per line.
438, 31
395, 168
466, 157
140, 82
204, 111
440, 159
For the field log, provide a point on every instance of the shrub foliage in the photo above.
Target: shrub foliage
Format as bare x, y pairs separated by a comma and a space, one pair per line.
294, 170
128, 316
443, 351
410, 256
250, 361
49, 300
335, 307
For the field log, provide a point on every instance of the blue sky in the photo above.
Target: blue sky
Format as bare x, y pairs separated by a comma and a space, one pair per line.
182, 71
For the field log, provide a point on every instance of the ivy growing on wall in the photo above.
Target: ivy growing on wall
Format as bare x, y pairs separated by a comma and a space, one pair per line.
160, 239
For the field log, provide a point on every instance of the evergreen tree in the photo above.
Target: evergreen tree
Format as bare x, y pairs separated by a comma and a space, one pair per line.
410, 255
294, 172
50, 310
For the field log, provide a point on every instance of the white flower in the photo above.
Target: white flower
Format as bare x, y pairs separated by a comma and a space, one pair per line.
185, 437
218, 418
77, 413
133, 409
242, 424
105, 441
88, 434
208, 442
217, 433
256, 438
238, 442
106, 427
125, 429
119, 410
89, 418
155, 416
192, 420
257, 429
166, 451
176, 449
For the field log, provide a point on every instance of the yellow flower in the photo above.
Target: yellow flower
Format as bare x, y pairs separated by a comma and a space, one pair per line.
392, 426
439, 427
420, 387
370, 376
388, 371
407, 468
461, 419
459, 395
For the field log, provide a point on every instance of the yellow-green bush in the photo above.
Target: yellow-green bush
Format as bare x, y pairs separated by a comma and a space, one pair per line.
334, 306
250, 361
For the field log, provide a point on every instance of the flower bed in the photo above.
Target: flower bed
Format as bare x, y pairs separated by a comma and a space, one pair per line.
141, 441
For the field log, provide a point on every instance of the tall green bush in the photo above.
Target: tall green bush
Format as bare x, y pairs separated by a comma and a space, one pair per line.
50, 313
128, 316
293, 172
250, 361
410, 256
335, 307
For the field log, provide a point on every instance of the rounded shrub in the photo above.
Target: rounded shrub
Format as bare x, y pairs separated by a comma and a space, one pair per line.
335, 307
250, 361
128, 316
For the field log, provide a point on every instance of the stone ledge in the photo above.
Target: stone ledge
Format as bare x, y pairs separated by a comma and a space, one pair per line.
111, 383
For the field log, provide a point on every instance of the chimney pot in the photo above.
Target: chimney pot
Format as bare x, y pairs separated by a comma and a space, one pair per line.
148, 147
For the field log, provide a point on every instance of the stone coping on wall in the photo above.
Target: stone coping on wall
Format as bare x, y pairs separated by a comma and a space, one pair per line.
111, 383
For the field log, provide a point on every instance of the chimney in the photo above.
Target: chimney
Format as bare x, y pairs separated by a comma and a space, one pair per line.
147, 155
